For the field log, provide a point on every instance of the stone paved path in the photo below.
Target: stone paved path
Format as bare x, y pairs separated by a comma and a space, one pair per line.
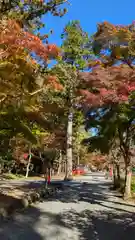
84, 211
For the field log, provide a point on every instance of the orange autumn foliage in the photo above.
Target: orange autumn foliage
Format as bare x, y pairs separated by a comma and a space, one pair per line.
20, 48
113, 85
14, 40
53, 81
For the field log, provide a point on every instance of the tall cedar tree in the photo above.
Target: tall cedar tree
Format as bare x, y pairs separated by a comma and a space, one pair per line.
76, 52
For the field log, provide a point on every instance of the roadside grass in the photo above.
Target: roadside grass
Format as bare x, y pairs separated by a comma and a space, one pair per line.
121, 184
10, 176
133, 184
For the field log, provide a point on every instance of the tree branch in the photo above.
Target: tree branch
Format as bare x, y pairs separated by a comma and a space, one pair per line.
37, 91
2, 99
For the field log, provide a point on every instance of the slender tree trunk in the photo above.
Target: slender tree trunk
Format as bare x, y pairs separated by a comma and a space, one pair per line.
68, 175
114, 176
44, 170
28, 165
65, 169
60, 164
45, 175
128, 176
78, 159
49, 175
118, 172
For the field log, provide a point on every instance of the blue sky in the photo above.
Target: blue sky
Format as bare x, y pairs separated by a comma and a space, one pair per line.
90, 12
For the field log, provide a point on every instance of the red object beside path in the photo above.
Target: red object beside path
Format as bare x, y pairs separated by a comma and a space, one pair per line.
111, 173
49, 179
25, 156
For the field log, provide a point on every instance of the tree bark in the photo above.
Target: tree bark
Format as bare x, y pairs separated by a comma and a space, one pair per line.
28, 165
44, 170
125, 143
78, 159
128, 176
49, 175
68, 175
114, 176
45, 174
60, 164
118, 172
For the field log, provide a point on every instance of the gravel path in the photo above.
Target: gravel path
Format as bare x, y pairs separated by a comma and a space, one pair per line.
86, 210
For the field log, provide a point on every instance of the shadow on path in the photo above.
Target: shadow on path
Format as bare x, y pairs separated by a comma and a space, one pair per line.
109, 223
21, 226
80, 211
93, 193
101, 225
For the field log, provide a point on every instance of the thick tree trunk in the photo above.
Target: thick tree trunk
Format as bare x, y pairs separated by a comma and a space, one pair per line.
116, 176
128, 176
28, 165
68, 175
